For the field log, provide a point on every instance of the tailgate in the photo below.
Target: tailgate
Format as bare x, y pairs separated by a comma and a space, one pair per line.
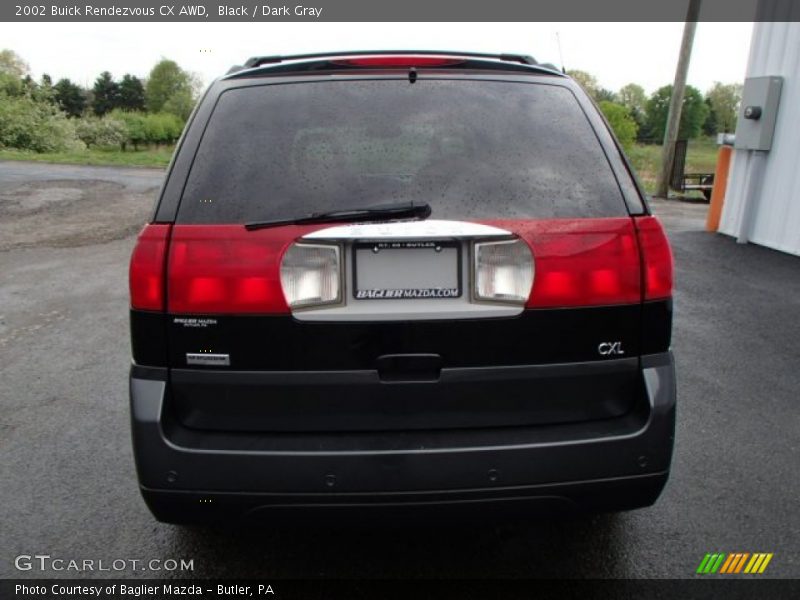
421, 363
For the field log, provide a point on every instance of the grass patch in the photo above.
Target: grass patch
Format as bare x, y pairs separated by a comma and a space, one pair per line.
149, 157
701, 157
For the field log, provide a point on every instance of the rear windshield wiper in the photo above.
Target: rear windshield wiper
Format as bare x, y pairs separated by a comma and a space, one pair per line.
384, 212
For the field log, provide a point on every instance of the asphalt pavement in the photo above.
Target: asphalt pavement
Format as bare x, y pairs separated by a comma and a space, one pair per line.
68, 483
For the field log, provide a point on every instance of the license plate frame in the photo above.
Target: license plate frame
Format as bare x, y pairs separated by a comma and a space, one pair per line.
444, 292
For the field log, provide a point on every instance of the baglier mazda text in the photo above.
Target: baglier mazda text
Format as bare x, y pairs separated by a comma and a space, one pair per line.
414, 282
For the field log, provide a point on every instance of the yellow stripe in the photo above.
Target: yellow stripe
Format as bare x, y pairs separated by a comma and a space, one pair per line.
728, 561
754, 562
765, 563
741, 562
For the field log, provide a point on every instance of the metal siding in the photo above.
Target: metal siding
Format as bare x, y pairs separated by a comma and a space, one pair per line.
774, 50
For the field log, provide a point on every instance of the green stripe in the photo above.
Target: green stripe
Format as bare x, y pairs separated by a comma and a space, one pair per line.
703, 563
718, 564
711, 562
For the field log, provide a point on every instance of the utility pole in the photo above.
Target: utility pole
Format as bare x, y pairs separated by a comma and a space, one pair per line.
676, 102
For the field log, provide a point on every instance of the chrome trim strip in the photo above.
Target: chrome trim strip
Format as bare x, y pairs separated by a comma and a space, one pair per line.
401, 230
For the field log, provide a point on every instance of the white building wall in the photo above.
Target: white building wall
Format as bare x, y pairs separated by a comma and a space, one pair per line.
774, 50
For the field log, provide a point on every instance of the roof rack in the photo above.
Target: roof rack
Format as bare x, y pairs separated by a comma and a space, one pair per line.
257, 61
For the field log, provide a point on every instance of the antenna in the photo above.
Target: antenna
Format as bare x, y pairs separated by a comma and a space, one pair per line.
560, 54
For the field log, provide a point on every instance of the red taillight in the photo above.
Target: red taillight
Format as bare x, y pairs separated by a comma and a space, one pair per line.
398, 61
581, 262
146, 273
656, 258
218, 269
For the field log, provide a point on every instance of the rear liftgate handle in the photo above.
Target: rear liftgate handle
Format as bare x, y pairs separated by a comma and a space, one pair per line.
409, 368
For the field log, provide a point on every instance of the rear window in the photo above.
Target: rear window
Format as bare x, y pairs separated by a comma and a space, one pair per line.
470, 149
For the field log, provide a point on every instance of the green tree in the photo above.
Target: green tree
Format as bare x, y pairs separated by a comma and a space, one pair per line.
591, 86
723, 103
180, 105
633, 98
10, 85
106, 94
131, 93
70, 97
44, 91
604, 95
29, 85
171, 89
12, 70
586, 80
12, 64
134, 122
710, 124
693, 113
621, 121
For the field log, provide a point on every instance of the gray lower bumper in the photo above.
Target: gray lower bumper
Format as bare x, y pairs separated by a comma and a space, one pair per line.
614, 463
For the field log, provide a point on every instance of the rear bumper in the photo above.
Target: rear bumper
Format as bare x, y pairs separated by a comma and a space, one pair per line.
611, 464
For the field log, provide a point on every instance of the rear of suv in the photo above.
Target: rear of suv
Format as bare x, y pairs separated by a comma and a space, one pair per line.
399, 283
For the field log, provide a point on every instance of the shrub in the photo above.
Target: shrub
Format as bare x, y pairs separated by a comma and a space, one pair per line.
162, 128
143, 128
28, 124
103, 132
134, 127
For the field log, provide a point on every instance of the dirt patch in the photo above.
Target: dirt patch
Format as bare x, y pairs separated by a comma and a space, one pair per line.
68, 213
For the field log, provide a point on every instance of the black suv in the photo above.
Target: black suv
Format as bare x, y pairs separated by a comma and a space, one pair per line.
400, 282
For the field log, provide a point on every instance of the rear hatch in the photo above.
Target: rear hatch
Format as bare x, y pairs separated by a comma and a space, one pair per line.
520, 301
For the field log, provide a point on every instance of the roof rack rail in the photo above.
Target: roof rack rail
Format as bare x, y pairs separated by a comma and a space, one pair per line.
257, 61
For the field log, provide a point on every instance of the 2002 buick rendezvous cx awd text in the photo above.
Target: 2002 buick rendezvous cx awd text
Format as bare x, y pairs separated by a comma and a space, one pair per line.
405, 282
